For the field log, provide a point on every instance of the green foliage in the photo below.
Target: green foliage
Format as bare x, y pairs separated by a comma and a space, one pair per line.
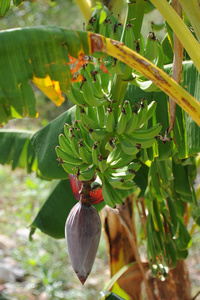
5, 5
16, 149
117, 130
47, 138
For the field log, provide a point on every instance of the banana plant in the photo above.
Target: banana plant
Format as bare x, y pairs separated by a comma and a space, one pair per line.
115, 141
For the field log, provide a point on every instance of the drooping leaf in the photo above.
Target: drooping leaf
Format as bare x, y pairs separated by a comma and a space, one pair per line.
38, 54
44, 142
16, 149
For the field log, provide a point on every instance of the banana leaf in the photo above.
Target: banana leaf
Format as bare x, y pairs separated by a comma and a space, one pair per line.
16, 149
40, 55
5, 5
44, 142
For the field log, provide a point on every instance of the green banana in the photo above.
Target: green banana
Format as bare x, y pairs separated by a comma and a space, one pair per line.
100, 111
134, 166
151, 110
98, 134
151, 50
69, 168
95, 153
128, 109
127, 185
123, 160
129, 39
89, 94
122, 121
75, 145
91, 113
147, 133
115, 182
110, 120
109, 194
142, 112
115, 154
78, 113
84, 153
65, 144
95, 83
84, 135
141, 143
88, 122
132, 123
125, 176
75, 96
67, 131
102, 164
66, 157
88, 174
128, 148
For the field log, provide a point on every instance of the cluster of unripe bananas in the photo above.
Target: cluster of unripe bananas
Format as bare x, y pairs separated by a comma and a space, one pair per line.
104, 142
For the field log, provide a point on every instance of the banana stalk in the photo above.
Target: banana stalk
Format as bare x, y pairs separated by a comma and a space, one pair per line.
177, 66
188, 41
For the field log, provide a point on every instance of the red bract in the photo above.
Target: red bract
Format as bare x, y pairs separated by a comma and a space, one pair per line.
96, 195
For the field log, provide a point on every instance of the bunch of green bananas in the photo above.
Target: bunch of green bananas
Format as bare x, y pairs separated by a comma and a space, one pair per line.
168, 238
105, 141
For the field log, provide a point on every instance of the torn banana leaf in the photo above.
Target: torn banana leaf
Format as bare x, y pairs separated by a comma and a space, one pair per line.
16, 149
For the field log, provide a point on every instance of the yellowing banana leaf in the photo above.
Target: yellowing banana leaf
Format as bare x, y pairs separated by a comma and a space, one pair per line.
16, 149
5, 5
43, 54
40, 55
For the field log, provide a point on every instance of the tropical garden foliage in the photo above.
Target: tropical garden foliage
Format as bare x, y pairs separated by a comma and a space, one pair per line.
124, 142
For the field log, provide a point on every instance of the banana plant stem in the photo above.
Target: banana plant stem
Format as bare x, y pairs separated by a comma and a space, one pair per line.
132, 240
85, 7
188, 41
177, 66
192, 10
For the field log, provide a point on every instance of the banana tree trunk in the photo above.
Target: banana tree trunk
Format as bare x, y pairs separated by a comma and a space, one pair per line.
120, 231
